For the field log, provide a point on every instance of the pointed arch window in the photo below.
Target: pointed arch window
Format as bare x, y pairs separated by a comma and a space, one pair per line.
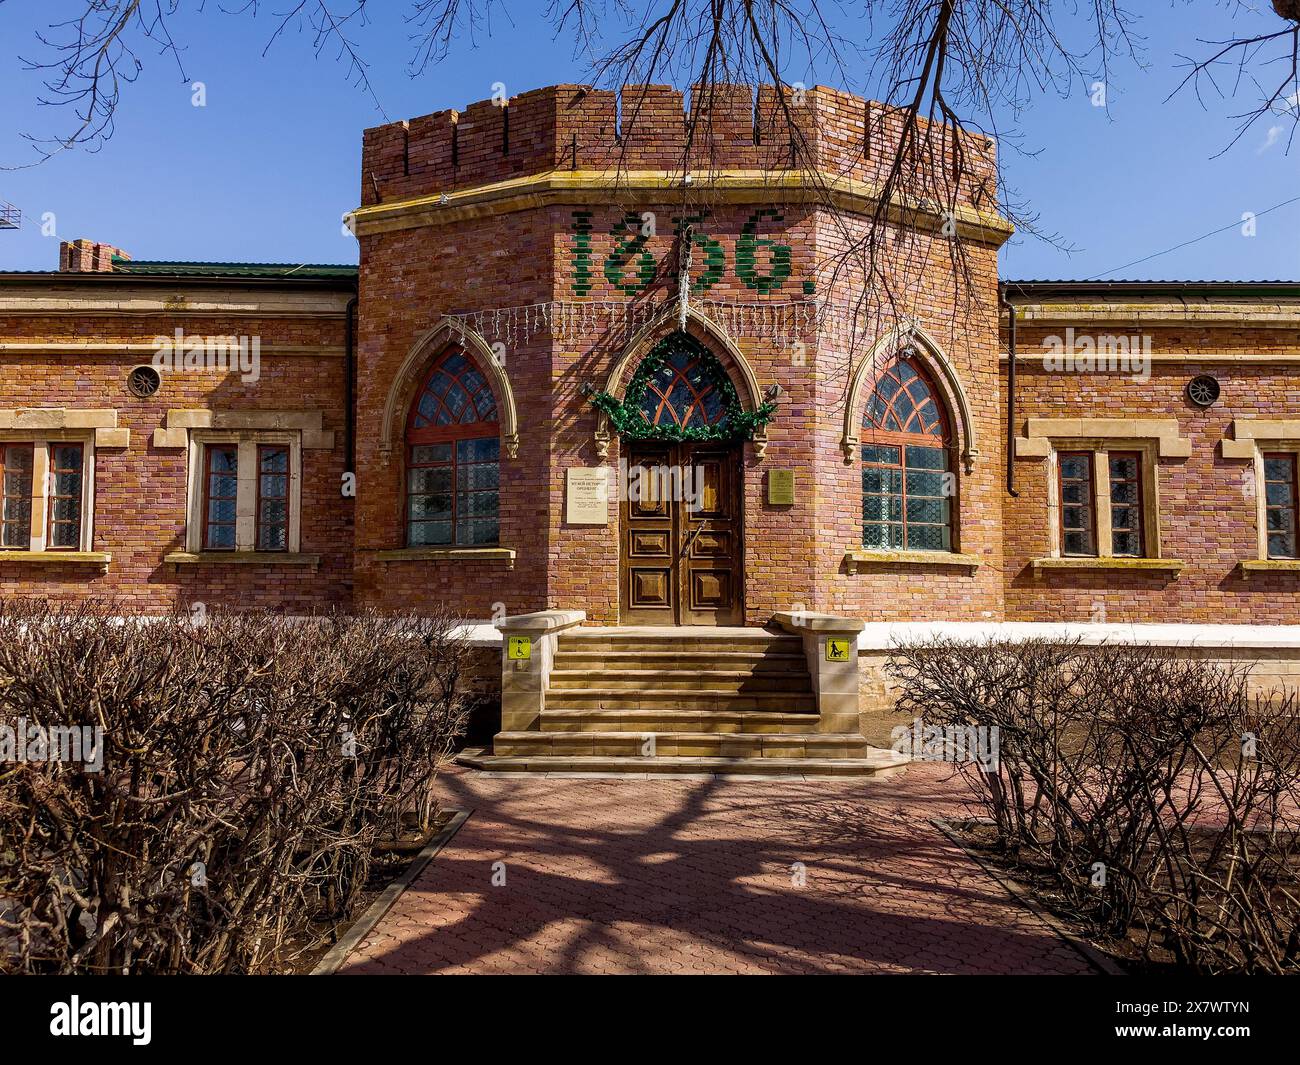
908, 488
686, 390
453, 457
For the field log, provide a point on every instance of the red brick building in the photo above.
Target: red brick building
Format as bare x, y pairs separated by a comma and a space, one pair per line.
573, 373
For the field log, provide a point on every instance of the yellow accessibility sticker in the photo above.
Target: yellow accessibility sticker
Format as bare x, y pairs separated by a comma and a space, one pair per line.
837, 650
519, 647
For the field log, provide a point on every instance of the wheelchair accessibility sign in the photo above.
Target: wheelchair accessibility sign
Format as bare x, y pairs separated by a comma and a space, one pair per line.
519, 648
837, 649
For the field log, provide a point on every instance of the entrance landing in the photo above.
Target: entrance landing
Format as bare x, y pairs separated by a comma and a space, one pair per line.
684, 699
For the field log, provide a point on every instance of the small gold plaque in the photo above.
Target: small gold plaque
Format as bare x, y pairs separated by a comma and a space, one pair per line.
780, 487
519, 648
837, 649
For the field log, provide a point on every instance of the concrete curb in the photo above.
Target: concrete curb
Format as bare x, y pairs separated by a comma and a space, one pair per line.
1091, 954
363, 925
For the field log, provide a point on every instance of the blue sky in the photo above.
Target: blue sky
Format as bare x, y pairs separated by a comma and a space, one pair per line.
264, 170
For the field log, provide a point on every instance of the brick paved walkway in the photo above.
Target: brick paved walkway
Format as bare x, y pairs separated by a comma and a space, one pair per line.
694, 876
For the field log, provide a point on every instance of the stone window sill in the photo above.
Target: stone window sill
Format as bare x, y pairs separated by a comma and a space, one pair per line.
446, 554
859, 558
65, 558
255, 558
1110, 564
1268, 565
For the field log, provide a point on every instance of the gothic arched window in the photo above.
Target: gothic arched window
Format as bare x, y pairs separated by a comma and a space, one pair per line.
907, 487
452, 457
683, 391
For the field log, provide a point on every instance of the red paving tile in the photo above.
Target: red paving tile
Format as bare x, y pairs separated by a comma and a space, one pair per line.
695, 876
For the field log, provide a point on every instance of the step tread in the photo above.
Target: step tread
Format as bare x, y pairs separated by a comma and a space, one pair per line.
650, 719
740, 658
680, 643
871, 764
754, 737
673, 632
745, 715
671, 674
727, 649
674, 692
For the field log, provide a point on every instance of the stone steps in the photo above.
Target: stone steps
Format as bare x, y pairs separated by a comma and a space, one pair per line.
593, 698
644, 721
682, 700
758, 641
738, 680
683, 744
877, 763
653, 658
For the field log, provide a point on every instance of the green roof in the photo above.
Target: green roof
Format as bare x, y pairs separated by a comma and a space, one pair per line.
296, 271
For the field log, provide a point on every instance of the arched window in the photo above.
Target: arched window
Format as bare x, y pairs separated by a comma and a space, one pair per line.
907, 489
452, 457
683, 391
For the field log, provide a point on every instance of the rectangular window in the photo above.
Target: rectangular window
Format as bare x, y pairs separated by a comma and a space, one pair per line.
1126, 504
1280, 503
906, 498
1100, 504
16, 496
245, 492
65, 485
220, 492
272, 497
1078, 516
452, 493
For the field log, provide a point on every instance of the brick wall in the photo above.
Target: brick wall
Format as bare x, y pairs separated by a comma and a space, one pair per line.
576, 127
762, 254
1207, 506
140, 491
771, 254
962, 319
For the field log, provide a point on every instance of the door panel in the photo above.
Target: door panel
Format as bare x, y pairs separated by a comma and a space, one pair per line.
646, 539
648, 544
680, 535
709, 561
651, 588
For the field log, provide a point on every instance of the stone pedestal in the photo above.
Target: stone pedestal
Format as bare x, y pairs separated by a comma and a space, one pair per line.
524, 680
834, 677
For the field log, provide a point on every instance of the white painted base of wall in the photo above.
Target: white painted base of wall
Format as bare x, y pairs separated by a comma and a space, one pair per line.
881, 636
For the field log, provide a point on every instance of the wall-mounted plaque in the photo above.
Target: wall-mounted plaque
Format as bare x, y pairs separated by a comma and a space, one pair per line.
780, 487
586, 495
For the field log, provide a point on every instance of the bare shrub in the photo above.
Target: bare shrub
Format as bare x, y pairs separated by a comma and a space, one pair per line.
1161, 794
250, 764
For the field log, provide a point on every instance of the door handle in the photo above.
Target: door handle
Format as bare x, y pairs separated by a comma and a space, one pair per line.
694, 533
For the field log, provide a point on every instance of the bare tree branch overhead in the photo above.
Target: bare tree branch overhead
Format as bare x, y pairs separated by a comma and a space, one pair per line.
959, 61
87, 61
1268, 63
949, 73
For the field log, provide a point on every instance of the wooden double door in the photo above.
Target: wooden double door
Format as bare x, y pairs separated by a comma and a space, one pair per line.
680, 533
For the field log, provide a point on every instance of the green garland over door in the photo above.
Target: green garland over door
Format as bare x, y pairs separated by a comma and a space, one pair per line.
681, 392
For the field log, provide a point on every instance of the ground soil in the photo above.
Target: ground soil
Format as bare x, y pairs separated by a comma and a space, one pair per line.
384, 869
1141, 951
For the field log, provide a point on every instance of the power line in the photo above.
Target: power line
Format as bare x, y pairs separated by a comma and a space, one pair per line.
1194, 240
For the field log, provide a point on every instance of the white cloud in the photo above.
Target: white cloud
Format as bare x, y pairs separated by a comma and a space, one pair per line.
1270, 139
